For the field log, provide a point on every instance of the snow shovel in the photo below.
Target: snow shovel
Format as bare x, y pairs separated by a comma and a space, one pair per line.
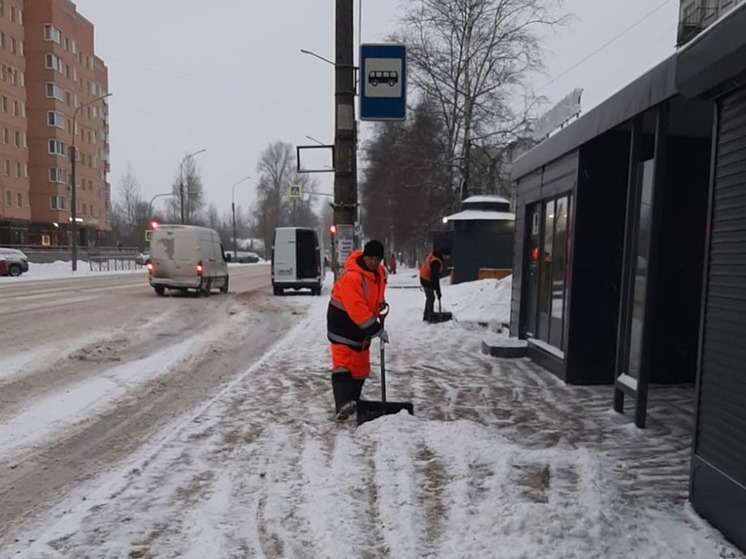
440, 316
368, 410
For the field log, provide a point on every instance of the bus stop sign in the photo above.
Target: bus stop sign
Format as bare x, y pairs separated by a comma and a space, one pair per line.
383, 82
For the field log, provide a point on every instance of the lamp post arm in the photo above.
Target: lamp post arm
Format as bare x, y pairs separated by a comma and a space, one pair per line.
233, 211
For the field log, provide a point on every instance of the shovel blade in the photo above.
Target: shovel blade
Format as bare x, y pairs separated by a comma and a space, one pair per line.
368, 410
437, 317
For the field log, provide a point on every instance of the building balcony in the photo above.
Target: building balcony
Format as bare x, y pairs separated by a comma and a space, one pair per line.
694, 22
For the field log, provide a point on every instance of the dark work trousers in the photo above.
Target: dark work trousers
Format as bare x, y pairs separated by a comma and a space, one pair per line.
429, 302
345, 388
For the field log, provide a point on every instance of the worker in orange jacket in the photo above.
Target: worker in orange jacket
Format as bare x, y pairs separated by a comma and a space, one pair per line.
352, 320
430, 272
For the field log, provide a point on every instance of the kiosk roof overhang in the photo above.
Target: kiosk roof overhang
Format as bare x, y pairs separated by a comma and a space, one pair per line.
648, 90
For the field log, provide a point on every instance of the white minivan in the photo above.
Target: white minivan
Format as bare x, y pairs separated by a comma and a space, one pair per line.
187, 257
296, 260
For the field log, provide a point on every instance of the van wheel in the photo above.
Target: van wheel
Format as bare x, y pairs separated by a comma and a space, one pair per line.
206, 287
159, 290
277, 290
224, 287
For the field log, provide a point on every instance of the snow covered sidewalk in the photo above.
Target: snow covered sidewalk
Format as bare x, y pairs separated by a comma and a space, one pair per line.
500, 460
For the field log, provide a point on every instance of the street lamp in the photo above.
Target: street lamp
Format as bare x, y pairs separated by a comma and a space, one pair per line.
345, 125
304, 51
73, 176
181, 181
150, 205
233, 210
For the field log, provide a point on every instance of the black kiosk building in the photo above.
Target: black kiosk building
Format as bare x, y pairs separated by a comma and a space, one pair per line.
630, 252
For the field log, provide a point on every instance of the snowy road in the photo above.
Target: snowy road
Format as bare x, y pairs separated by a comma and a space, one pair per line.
92, 367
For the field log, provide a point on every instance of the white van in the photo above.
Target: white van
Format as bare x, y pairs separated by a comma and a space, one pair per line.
187, 257
296, 260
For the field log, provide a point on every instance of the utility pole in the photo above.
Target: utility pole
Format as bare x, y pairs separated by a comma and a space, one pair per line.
345, 127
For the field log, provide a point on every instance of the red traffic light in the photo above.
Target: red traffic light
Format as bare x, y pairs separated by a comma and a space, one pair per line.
333, 229
154, 225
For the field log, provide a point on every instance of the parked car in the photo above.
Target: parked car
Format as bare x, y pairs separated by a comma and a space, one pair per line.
16, 262
242, 257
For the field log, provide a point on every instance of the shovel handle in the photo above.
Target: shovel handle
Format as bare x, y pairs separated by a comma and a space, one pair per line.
384, 312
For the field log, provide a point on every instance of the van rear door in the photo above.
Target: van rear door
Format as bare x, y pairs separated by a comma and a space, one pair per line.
283, 258
307, 254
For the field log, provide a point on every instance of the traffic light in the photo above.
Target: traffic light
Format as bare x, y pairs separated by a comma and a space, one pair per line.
154, 225
333, 230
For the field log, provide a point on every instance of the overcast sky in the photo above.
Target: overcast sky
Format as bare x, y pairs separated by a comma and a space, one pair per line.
228, 77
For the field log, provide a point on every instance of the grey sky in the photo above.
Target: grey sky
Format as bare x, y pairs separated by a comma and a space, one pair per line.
228, 77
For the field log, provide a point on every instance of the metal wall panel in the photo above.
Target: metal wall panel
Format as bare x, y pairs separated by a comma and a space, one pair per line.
719, 465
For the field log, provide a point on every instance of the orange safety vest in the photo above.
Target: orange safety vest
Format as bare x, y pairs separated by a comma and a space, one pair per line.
425, 269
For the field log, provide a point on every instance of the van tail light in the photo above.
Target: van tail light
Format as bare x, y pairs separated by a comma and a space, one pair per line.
149, 266
200, 268
318, 270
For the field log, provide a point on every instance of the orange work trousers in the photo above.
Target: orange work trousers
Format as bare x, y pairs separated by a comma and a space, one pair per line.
357, 362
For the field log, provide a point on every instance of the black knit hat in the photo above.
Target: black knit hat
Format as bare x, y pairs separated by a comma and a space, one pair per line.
373, 248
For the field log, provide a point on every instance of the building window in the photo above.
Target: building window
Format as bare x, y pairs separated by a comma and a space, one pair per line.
57, 175
5, 135
53, 62
8, 198
12, 45
56, 119
56, 147
57, 202
6, 168
51, 33
55, 91
17, 139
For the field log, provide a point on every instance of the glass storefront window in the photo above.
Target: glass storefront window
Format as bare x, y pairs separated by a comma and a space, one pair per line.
642, 255
546, 280
559, 265
545, 274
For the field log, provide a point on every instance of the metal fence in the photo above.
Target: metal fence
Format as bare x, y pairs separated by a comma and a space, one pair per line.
97, 259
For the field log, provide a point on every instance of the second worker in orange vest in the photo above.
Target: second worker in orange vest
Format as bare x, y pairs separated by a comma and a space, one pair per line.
430, 272
352, 320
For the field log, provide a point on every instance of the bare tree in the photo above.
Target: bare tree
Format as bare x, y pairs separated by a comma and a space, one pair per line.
129, 215
471, 57
277, 170
189, 179
405, 189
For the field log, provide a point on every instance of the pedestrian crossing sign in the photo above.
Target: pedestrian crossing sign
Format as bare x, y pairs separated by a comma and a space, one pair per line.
295, 191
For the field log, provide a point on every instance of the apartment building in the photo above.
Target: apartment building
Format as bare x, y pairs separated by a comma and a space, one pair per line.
52, 88
15, 206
